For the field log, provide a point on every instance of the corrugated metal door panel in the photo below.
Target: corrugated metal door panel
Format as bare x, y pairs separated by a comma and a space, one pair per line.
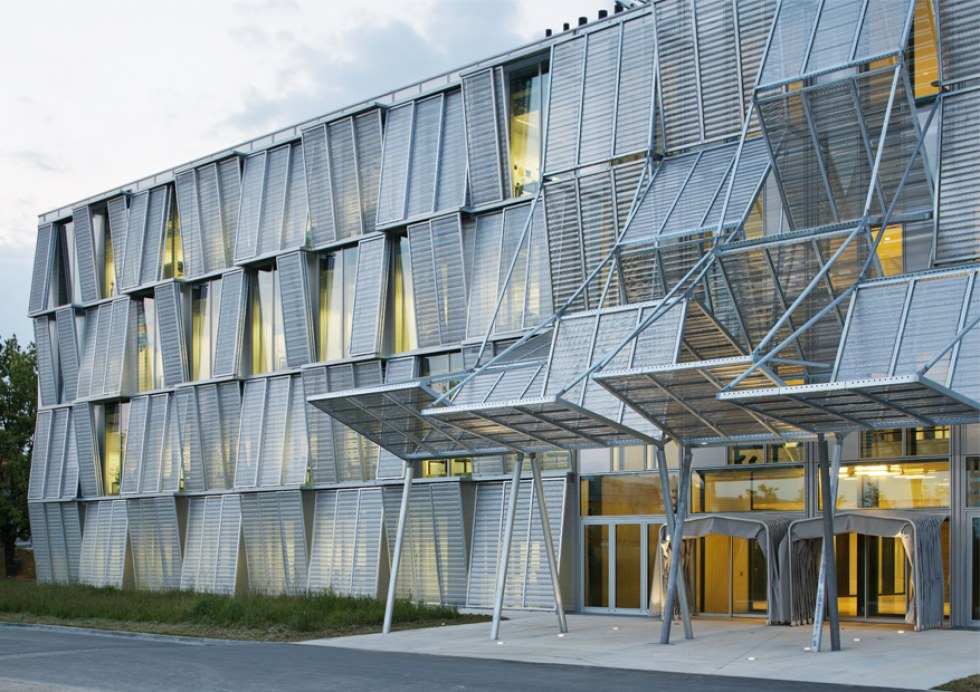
367, 139
372, 280
295, 209
273, 201
89, 475
482, 136
253, 181
297, 451
250, 434
44, 255
135, 230
274, 433
599, 98
343, 179
132, 469
213, 238
39, 456
960, 34
230, 185
564, 105
157, 215
171, 325
231, 321
426, 133
394, 166
88, 279
959, 200
47, 375
298, 330
634, 111
318, 188
188, 210
451, 190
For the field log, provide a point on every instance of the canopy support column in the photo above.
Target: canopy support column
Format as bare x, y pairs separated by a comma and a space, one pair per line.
669, 513
827, 581
498, 596
676, 547
399, 540
549, 544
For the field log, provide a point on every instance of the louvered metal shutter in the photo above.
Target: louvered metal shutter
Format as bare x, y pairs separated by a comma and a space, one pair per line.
369, 292
212, 229
960, 34
117, 356
188, 208
295, 213
67, 352
318, 187
171, 328
89, 475
39, 539
959, 201
69, 481
88, 279
56, 454
296, 455
135, 230
39, 456
250, 434
118, 229
46, 372
44, 257
274, 432
191, 421
132, 469
394, 166
157, 214
297, 323
634, 108
367, 138
564, 105
320, 429
231, 321
483, 133
253, 181
344, 180
599, 95
451, 189
273, 200
424, 156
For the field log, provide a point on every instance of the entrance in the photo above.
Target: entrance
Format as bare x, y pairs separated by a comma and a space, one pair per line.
618, 564
974, 553
727, 575
872, 576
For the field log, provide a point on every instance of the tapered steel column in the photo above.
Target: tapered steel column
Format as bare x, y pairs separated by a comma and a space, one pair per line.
498, 596
827, 581
399, 540
549, 545
669, 513
676, 549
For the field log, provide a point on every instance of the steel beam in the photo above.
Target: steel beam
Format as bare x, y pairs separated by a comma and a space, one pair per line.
549, 544
676, 538
669, 514
827, 580
498, 596
399, 541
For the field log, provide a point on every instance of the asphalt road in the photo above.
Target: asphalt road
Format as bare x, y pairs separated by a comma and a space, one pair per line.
37, 660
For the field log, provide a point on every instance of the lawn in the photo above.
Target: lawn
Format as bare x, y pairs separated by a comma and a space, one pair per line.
251, 616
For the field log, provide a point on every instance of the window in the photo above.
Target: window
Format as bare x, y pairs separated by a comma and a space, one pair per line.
149, 356
730, 490
623, 494
528, 88
789, 452
923, 57
926, 441
116, 420
338, 272
907, 485
403, 336
205, 300
173, 249
443, 468
973, 482
268, 338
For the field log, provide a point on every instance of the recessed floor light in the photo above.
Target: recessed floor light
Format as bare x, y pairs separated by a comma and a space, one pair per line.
751, 658
807, 648
857, 639
561, 635
901, 631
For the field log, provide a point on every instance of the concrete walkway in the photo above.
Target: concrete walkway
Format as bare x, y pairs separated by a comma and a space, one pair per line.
882, 655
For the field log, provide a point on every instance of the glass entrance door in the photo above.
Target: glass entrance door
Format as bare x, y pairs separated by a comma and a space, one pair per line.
618, 565
974, 553
727, 575
872, 576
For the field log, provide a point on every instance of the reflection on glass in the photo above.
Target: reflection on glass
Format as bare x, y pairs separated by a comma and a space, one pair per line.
596, 566
526, 100
907, 485
403, 302
623, 494
876, 444
890, 251
442, 468
338, 271
975, 562
149, 356
749, 577
712, 574
922, 51
764, 489
628, 588
932, 441
973, 481
205, 300
109, 266
114, 446
173, 248
632, 458
268, 337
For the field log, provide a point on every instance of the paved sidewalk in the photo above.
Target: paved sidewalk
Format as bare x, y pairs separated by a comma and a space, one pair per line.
883, 655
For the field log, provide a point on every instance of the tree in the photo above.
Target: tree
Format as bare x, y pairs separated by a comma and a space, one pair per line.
18, 407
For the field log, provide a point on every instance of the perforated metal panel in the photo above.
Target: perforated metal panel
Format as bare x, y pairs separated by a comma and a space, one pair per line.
46, 365
171, 326
634, 108
250, 434
67, 352
346, 542
132, 468
874, 323
424, 156
564, 105
394, 166
214, 236
451, 188
369, 292
320, 429
155, 543
89, 476
44, 257
296, 314
39, 456
157, 214
483, 132
318, 191
117, 371
960, 35
231, 321
294, 213
253, 181
135, 231
188, 208
367, 140
959, 200
275, 543
440, 295
88, 279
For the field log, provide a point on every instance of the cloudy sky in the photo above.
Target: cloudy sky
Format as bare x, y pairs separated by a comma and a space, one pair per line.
100, 93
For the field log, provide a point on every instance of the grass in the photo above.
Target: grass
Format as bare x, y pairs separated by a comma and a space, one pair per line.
251, 616
967, 684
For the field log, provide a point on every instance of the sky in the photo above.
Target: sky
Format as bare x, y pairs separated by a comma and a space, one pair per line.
97, 94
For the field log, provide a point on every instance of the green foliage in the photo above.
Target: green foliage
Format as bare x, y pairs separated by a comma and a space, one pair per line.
18, 407
184, 612
968, 684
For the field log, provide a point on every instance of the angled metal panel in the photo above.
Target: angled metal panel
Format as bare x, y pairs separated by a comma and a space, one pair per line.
501, 90
73, 537
89, 475
214, 240
565, 241
424, 288
960, 36
135, 232
486, 541
369, 292
928, 325
966, 371
157, 216
188, 208
191, 422
117, 538
253, 182
564, 106
190, 573
39, 456
874, 322
837, 24
790, 40
754, 21
230, 186
368, 143
67, 352
231, 323
250, 433
451, 187
296, 315
318, 187
172, 459
118, 228
343, 178
320, 429
57, 447
718, 69
230, 403
426, 131
69, 480
171, 326
634, 108
271, 457
599, 95
295, 212
88, 278
155, 442
367, 552
56, 543
659, 198
39, 539
117, 357
482, 137
447, 253
959, 196
394, 166
510, 315
46, 365
132, 469
320, 573
44, 256
296, 454
678, 77
484, 273
86, 363
102, 323
538, 301
228, 546
270, 229
883, 27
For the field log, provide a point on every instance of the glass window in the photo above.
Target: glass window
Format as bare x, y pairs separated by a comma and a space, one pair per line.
149, 356
973, 481
173, 248
205, 302
890, 251
338, 272
268, 338
623, 494
887, 444
878, 444
633, 458
771, 489
103, 253
932, 441
116, 421
908, 485
402, 303
923, 58
444, 468
527, 98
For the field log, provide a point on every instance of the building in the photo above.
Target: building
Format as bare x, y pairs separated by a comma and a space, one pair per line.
695, 244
